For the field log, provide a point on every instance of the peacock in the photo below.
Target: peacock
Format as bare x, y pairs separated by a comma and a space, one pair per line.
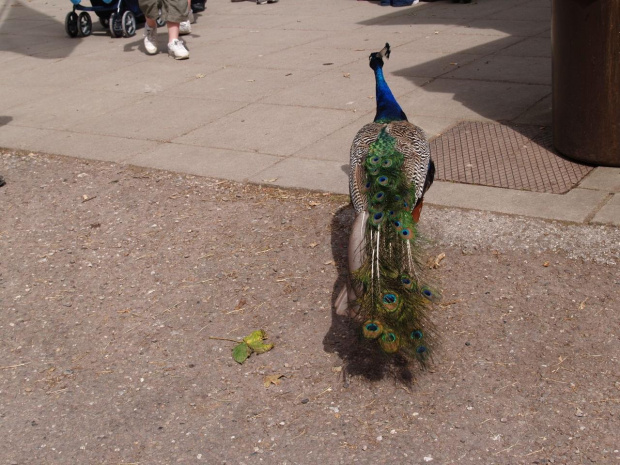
390, 170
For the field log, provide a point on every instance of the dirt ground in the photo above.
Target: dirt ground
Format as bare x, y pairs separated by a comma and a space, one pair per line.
115, 283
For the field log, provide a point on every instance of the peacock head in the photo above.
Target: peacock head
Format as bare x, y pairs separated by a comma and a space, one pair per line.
376, 58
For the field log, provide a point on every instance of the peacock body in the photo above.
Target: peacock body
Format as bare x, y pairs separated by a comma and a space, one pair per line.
390, 170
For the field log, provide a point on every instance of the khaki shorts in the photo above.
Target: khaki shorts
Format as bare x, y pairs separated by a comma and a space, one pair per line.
175, 11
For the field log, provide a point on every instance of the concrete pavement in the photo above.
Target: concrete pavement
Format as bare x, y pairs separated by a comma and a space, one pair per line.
275, 93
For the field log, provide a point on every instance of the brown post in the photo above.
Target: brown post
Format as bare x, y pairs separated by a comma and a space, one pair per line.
586, 80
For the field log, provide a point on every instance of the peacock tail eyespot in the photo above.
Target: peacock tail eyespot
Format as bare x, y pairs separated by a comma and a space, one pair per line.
406, 233
377, 218
389, 298
389, 342
372, 329
426, 292
380, 196
366, 187
421, 350
391, 302
383, 180
416, 335
386, 163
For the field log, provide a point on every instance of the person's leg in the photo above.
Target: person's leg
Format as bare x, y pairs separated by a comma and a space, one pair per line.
151, 12
175, 11
185, 27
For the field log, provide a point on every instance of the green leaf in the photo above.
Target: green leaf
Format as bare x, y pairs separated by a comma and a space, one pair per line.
255, 341
255, 337
241, 352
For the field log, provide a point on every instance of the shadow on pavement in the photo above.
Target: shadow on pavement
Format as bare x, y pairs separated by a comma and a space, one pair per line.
480, 96
28, 32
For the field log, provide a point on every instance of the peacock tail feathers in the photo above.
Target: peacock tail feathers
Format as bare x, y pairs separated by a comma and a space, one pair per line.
391, 169
394, 298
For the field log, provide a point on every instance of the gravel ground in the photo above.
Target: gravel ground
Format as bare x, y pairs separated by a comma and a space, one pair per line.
123, 289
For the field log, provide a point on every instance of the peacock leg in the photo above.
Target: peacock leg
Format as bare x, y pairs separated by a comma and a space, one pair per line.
345, 303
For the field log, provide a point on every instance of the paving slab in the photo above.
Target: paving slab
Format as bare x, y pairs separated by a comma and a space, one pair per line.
142, 119
270, 129
539, 113
331, 176
73, 144
340, 90
610, 212
219, 163
575, 206
241, 83
604, 179
520, 69
473, 100
532, 47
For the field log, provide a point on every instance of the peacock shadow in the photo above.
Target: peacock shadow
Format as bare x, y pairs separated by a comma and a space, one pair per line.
360, 357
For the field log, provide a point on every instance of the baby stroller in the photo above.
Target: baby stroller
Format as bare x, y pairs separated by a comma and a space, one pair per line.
119, 16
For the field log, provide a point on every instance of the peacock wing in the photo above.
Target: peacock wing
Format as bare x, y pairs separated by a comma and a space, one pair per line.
411, 141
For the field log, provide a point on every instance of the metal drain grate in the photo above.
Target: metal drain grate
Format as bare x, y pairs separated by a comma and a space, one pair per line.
508, 156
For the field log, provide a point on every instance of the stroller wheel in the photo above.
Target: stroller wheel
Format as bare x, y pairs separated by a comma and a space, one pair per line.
105, 22
129, 24
71, 24
160, 21
116, 25
85, 24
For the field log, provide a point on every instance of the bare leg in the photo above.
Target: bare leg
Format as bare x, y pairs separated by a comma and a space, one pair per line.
173, 31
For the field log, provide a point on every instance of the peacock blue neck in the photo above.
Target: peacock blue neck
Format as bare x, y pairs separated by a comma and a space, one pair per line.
388, 108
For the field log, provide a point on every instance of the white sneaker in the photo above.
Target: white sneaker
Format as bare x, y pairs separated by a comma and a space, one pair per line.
185, 28
177, 50
150, 39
